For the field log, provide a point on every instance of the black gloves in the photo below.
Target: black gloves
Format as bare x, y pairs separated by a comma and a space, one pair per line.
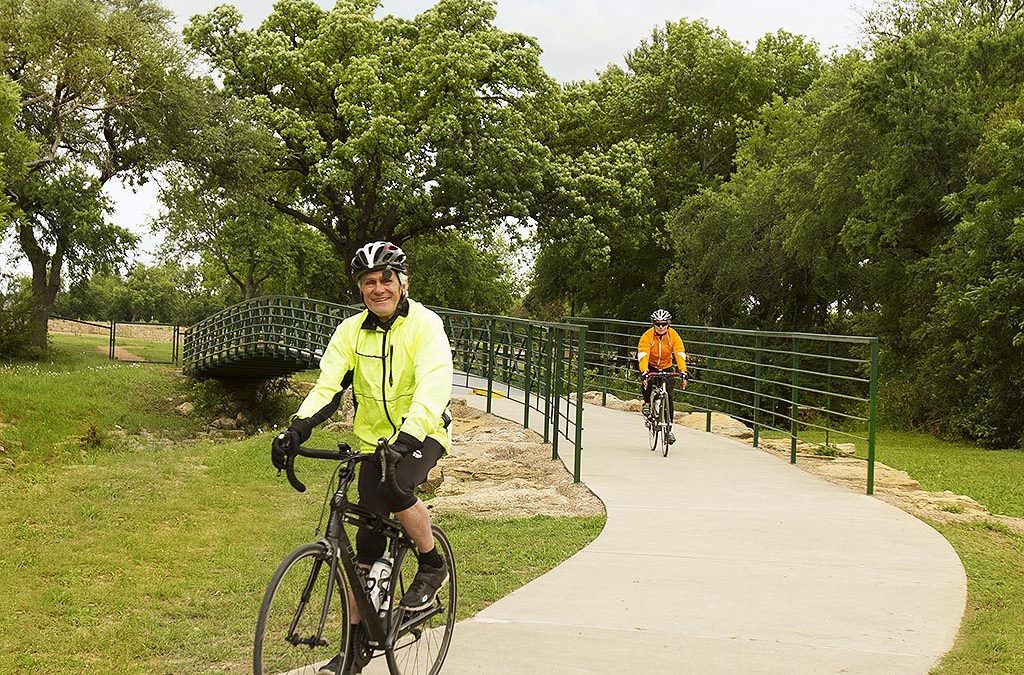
406, 443
288, 441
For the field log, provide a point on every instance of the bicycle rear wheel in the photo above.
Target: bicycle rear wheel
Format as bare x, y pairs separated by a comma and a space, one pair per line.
425, 635
665, 422
289, 637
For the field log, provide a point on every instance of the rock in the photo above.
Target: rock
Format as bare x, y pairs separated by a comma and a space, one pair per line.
7, 461
720, 424
224, 423
186, 408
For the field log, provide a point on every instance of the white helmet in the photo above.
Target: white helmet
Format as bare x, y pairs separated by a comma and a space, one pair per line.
660, 315
378, 255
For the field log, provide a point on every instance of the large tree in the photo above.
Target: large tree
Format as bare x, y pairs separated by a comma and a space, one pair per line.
103, 94
387, 128
631, 147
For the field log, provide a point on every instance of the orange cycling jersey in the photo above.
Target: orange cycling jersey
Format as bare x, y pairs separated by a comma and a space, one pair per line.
657, 351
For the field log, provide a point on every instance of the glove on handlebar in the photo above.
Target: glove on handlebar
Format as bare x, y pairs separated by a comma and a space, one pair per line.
288, 441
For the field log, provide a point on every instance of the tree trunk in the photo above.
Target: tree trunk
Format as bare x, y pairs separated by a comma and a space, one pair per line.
45, 283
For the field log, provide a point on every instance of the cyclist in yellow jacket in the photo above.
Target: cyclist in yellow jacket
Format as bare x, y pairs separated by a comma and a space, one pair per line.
396, 357
660, 350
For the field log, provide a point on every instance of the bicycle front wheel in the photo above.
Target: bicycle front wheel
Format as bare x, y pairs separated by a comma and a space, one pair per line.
300, 628
424, 636
653, 427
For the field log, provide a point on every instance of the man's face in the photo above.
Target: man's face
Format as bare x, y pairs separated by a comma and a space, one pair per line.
661, 327
381, 292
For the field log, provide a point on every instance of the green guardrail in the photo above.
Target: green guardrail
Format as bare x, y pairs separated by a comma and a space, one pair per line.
783, 382
535, 363
538, 364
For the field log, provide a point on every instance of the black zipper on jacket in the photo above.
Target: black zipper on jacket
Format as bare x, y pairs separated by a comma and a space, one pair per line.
384, 376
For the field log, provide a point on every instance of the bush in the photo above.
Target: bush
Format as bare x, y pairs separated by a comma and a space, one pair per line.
15, 312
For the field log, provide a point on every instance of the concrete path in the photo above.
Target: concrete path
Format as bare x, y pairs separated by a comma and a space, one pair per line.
722, 559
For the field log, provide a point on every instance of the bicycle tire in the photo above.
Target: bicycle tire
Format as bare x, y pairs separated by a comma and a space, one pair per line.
304, 570
666, 429
652, 421
419, 651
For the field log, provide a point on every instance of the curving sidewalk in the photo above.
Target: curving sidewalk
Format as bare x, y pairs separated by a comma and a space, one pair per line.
722, 559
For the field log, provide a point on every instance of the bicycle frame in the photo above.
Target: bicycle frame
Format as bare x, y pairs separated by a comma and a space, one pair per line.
380, 633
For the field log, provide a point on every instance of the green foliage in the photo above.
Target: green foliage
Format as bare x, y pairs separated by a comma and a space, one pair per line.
631, 147
104, 94
462, 271
15, 311
883, 200
386, 128
166, 293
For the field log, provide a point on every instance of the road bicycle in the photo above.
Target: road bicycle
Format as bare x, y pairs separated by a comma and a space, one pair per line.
659, 421
304, 618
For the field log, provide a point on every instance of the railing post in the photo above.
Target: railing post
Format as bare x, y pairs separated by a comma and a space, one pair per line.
795, 404
757, 387
548, 361
580, 374
872, 414
604, 365
556, 392
113, 337
707, 379
490, 361
527, 379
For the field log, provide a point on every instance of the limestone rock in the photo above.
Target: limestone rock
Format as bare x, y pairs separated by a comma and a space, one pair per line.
186, 408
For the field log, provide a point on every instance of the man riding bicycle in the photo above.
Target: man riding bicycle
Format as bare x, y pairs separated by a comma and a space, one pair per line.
658, 347
396, 357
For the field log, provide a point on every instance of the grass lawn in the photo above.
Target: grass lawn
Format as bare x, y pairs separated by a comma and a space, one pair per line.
126, 559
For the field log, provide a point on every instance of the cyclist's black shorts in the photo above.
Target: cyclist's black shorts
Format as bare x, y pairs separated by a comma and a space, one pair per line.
378, 498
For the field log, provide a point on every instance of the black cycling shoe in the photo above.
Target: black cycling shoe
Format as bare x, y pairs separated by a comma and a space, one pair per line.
645, 410
671, 438
424, 587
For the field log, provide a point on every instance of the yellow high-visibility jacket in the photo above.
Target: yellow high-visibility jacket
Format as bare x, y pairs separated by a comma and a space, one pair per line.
401, 377
658, 351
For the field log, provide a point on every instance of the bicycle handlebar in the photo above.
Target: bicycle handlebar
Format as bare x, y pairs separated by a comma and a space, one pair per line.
668, 374
344, 453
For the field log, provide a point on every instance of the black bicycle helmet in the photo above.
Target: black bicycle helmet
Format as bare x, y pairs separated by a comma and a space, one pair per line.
379, 255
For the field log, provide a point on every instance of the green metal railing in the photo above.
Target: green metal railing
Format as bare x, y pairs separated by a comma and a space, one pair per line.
262, 337
537, 364
781, 382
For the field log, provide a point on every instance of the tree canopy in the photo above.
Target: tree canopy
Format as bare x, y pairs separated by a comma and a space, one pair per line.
387, 128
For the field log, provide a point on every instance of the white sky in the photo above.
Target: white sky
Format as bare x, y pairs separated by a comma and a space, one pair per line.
579, 38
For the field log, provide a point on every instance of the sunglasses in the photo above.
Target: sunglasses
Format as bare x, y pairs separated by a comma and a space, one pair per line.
661, 324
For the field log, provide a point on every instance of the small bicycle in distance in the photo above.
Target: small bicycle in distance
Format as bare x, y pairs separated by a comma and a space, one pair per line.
304, 618
659, 422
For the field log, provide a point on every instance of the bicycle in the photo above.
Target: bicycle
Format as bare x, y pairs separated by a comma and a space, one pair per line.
304, 617
659, 422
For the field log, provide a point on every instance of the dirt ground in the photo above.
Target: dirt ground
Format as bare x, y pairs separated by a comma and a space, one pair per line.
893, 486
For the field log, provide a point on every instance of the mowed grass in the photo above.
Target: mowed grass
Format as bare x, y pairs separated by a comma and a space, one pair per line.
991, 638
57, 410
122, 558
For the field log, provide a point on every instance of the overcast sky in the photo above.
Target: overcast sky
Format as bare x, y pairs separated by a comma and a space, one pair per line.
579, 38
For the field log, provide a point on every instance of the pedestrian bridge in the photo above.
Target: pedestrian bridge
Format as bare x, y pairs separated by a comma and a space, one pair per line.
262, 337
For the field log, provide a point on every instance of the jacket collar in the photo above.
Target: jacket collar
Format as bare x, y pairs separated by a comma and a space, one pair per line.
373, 322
